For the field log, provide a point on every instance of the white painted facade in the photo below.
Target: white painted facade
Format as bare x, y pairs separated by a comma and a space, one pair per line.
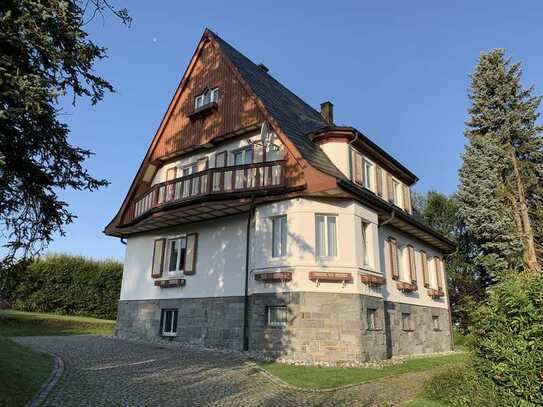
220, 263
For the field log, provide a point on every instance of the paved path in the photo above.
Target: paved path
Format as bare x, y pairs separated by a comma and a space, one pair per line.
102, 371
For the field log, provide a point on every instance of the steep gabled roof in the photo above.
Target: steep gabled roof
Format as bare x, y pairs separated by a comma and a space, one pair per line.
295, 117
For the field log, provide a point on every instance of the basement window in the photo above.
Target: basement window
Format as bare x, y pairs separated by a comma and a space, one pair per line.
435, 323
168, 322
406, 321
277, 316
372, 319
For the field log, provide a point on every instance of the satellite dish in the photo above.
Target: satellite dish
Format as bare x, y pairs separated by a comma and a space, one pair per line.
265, 138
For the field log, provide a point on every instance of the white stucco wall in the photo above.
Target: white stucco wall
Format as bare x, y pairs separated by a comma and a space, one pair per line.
338, 153
220, 268
220, 262
421, 296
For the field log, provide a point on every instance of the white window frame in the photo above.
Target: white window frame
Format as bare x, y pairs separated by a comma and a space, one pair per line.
366, 243
279, 248
277, 324
397, 192
178, 269
327, 247
406, 321
368, 173
174, 322
371, 319
206, 97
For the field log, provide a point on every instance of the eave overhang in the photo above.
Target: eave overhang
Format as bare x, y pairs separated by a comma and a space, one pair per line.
397, 218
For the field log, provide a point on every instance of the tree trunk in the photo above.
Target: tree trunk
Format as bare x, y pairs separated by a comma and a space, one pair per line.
529, 252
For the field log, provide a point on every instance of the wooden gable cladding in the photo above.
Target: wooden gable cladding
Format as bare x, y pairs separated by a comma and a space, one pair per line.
235, 108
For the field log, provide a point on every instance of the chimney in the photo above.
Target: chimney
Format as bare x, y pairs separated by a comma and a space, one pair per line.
263, 67
327, 111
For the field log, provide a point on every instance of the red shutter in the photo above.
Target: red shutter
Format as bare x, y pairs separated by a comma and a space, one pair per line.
379, 176
412, 266
424, 261
393, 257
158, 258
190, 253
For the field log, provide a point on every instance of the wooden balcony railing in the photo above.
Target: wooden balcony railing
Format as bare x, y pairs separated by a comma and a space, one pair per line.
232, 179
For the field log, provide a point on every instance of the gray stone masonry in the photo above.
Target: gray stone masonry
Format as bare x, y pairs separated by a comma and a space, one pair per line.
321, 327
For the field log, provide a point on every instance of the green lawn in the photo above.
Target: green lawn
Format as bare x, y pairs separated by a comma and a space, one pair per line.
22, 372
18, 323
426, 403
330, 377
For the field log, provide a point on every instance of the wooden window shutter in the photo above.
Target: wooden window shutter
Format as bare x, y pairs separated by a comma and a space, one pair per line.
424, 261
379, 177
406, 199
158, 258
393, 257
190, 254
439, 275
202, 164
358, 169
412, 265
390, 188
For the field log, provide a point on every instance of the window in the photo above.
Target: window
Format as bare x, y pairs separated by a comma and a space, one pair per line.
326, 235
207, 97
365, 243
277, 316
279, 236
406, 321
176, 252
372, 319
393, 258
368, 172
412, 278
438, 273
435, 323
396, 192
244, 156
168, 325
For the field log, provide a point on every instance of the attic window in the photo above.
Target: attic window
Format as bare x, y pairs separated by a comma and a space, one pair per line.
207, 97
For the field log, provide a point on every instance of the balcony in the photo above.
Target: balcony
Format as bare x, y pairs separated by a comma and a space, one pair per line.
220, 183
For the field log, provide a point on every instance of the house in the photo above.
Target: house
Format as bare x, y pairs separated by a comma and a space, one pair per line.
255, 223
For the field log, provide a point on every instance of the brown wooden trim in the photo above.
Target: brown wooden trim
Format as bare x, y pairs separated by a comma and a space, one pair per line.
329, 277
436, 293
412, 263
406, 287
274, 277
192, 269
425, 274
177, 282
161, 264
372, 280
393, 258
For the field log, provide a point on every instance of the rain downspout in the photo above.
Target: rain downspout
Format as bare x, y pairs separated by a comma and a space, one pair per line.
247, 269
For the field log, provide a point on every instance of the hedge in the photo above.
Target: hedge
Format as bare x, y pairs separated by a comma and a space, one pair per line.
64, 284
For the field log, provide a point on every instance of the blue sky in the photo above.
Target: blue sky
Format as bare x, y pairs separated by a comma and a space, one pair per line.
396, 70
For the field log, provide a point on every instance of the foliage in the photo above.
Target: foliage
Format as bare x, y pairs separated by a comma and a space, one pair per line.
500, 190
468, 280
64, 284
329, 377
22, 372
20, 323
508, 345
46, 54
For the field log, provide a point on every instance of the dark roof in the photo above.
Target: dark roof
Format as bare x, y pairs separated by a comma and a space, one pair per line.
295, 117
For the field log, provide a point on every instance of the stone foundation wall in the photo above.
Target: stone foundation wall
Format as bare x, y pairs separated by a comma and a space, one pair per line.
421, 337
213, 322
321, 327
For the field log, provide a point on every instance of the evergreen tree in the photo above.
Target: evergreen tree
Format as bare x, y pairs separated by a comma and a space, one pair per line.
500, 190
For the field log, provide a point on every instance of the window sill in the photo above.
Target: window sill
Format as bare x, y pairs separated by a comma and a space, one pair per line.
438, 330
408, 330
276, 327
168, 335
374, 329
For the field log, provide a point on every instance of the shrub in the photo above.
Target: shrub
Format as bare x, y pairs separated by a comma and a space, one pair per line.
65, 284
508, 337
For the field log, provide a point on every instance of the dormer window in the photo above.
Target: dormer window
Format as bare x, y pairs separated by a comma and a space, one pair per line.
207, 97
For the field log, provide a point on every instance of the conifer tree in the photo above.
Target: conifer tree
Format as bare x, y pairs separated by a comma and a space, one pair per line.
501, 187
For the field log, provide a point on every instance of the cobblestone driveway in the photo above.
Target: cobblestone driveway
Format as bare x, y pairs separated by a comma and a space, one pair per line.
102, 371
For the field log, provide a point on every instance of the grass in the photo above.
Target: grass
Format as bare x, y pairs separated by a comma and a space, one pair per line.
22, 372
329, 377
426, 403
19, 323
